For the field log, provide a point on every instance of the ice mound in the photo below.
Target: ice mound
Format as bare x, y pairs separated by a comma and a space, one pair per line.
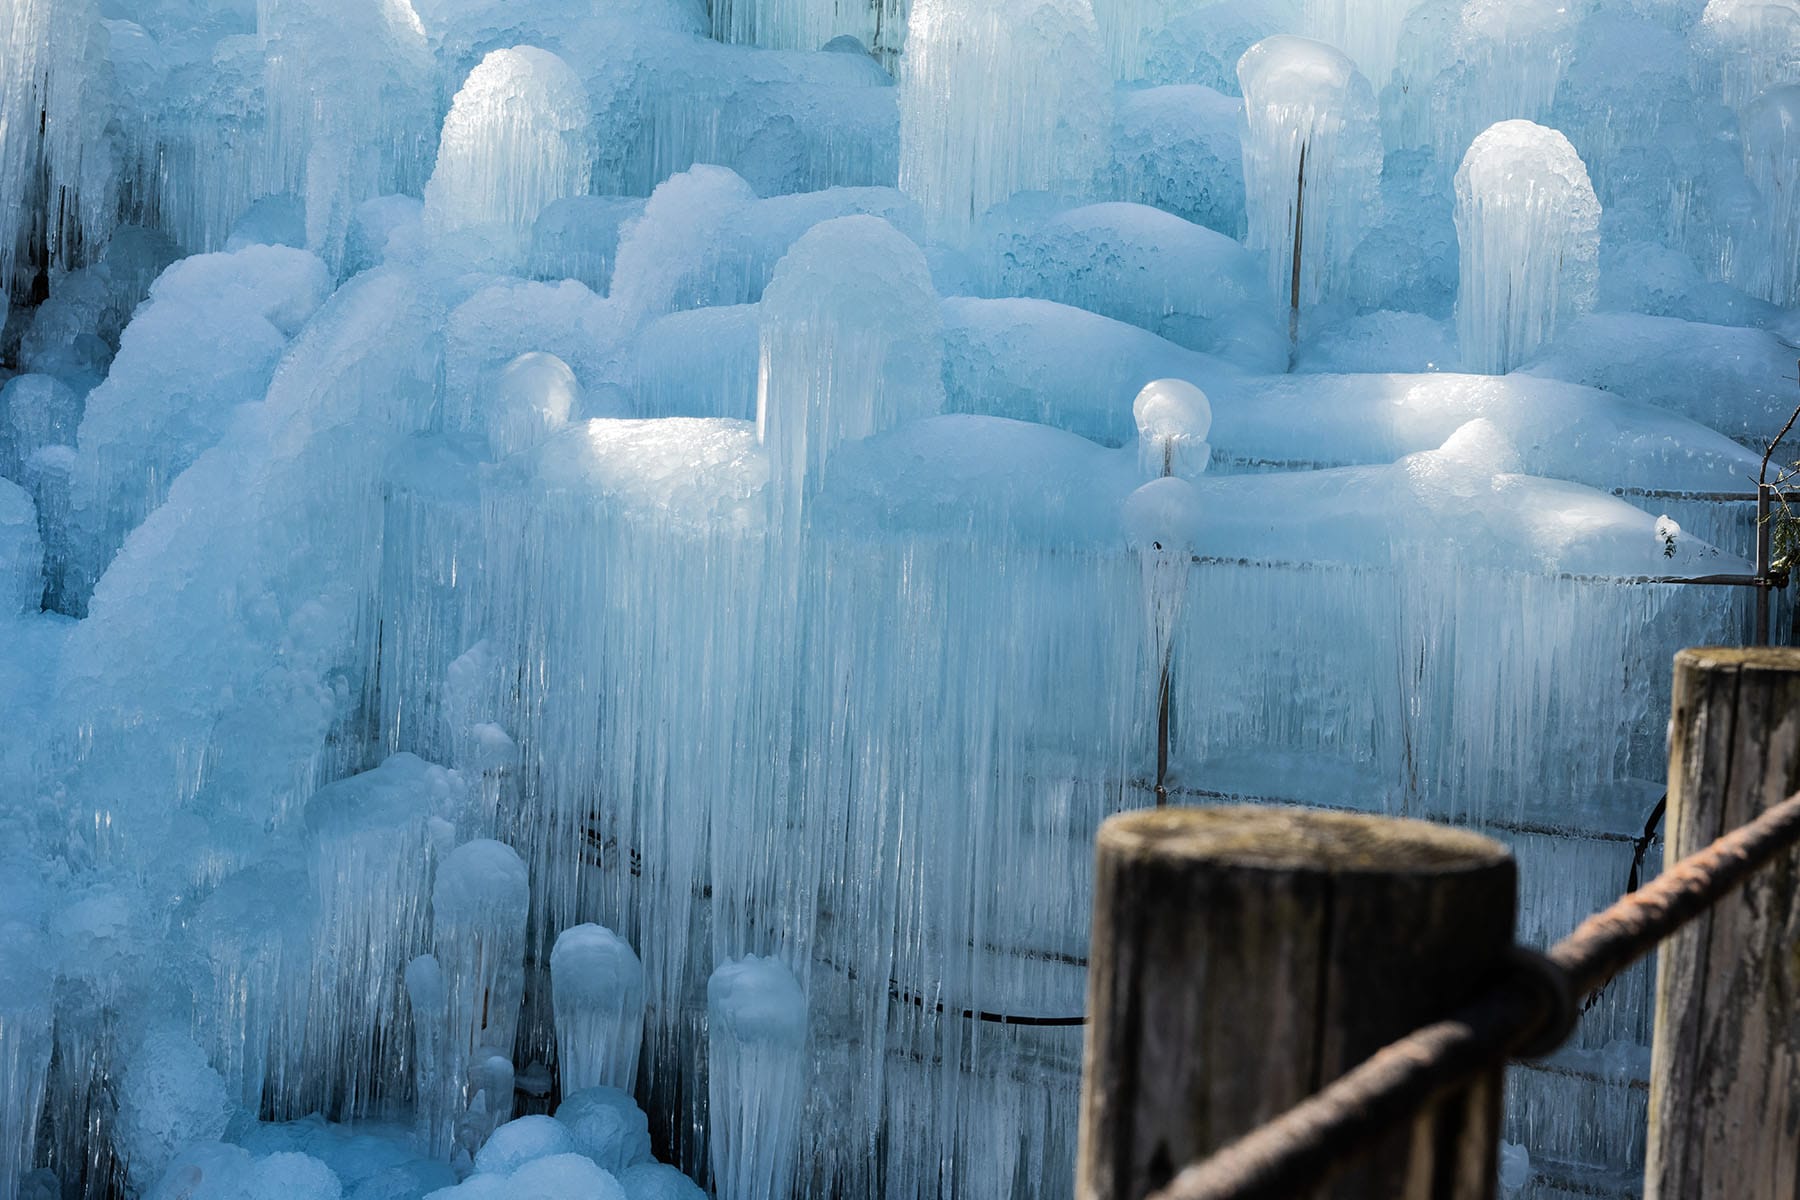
607, 1126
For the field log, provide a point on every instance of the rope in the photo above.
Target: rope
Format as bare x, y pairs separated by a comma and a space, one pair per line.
1302, 1148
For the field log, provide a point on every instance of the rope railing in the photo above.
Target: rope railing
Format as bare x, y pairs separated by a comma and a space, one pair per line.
1527, 1013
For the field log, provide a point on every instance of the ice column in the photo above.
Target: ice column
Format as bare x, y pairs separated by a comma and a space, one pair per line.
25, 1024
1173, 418
1368, 31
756, 1071
999, 97
517, 139
371, 870
1528, 225
1752, 45
479, 907
598, 987
1771, 133
1509, 57
1312, 165
435, 1111
850, 346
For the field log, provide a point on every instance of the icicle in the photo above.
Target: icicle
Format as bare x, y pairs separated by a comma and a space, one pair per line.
850, 346
433, 1090
1750, 45
1528, 225
599, 988
997, 99
479, 906
25, 1025
756, 1076
518, 138
1772, 160
1507, 58
1312, 166
1368, 31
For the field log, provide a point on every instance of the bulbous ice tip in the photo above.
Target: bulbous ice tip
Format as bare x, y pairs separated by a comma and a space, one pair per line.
425, 987
592, 962
1291, 69
1173, 418
533, 397
1510, 156
1162, 517
757, 1000
1172, 408
478, 878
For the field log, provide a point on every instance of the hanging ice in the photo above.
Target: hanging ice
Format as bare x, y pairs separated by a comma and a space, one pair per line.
849, 347
1507, 58
1749, 46
1771, 136
518, 138
997, 99
756, 1074
1312, 166
1368, 31
599, 988
478, 907
25, 1023
1528, 226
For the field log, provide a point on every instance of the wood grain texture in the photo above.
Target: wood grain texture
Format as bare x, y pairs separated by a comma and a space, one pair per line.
1725, 1067
1243, 957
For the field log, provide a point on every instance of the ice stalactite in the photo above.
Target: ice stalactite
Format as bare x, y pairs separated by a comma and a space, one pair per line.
1528, 226
1368, 31
479, 904
26, 1019
518, 138
1771, 136
599, 996
756, 1077
58, 181
997, 99
371, 838
849, 347
1312, 166
877, 25
351, 99
1746, 47
1507, 58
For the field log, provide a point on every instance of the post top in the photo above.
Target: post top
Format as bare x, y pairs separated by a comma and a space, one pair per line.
1755, 658
1278, 837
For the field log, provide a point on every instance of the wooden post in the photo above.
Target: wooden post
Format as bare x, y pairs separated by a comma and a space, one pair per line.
1244, 957
1725, 1068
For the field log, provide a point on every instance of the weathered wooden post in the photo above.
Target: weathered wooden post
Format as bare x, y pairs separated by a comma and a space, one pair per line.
1244, 957
1725, 1068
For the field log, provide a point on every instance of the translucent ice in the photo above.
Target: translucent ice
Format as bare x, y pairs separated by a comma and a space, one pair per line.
1173, 418
599, 990
756, 1075
1528, 225
997, 99
517, 139
1312, 165
1750, 46
1771, 132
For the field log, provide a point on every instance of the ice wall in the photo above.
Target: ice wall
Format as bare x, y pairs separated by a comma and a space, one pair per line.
997, 100
1312, 166
1528, 227
1749, 46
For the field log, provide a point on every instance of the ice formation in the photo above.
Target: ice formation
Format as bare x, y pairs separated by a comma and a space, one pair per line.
1312, 165
599, 989
575, 580
997, 100
1528, 225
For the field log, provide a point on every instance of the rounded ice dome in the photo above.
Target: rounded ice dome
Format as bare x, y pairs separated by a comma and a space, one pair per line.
1162, 517
1173, 419
533, 397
